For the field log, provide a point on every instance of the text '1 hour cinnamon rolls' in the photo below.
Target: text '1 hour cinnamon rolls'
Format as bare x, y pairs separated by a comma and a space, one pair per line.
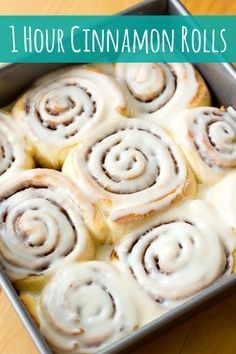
207, 136
179, 253
130, 168
41, 224
64, 105
159, 91
14, 153
84, 308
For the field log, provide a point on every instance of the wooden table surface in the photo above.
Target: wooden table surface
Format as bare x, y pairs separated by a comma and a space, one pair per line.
212, 331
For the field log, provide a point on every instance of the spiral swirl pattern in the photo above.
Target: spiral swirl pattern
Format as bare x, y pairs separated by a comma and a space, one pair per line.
13, 152
158, 91
151, 85
61, 107
208, 137
130, 167
85, 307
41, 225
179, 253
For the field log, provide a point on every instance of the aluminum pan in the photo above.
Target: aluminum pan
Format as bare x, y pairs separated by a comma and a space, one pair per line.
221, 79
23, 314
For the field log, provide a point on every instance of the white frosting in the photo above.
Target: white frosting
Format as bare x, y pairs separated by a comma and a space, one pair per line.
132, 164
85, 307
178, 253
207, 136
64, 105
126, 168
157, 91
151, 310
41, 226
223, 197
13, 152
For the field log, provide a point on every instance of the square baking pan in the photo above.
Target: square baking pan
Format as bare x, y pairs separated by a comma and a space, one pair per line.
221, 79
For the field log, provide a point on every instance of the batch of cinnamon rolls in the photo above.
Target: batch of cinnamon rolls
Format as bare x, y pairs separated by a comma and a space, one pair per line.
117, 198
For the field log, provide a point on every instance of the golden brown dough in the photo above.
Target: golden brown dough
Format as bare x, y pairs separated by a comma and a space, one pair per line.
207, 136
178, 253
42, 226
130, 169
83, 308
158, 92
62, 107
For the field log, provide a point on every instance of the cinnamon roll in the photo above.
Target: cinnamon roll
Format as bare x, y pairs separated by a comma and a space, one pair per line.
159, 91
14, 154
42, 225
207, 136
63, 106
223, 198
84, 308
179, 253
129, 168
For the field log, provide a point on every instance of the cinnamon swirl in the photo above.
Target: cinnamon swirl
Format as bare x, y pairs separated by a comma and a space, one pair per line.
129, 168
41, 225
63, 106
207, 136
84, 308
159, 91
178, 253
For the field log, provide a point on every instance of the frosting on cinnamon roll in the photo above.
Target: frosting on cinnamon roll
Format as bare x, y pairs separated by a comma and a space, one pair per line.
178, 253
63, 106
41, 224
159, 91
14, 155
129, 168
223, 198
85, 307
207, 136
